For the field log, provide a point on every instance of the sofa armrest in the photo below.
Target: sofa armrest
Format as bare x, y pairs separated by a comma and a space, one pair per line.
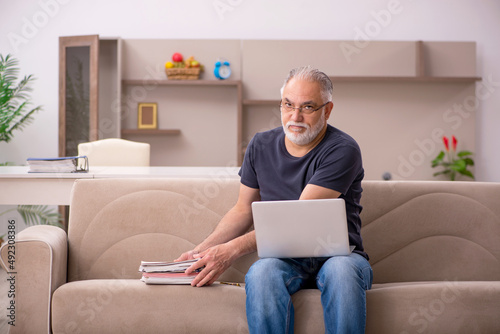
37, 267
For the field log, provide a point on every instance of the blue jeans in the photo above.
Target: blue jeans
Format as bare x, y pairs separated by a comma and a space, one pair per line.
342, 280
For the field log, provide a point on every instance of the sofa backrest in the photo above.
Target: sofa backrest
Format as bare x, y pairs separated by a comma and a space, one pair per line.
434, 230
114, 224
412, 230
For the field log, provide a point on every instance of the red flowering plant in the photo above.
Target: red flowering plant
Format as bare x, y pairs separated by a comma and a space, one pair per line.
456, 162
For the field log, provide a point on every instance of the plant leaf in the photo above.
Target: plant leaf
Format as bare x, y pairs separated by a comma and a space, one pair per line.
462, 154
458, 165
467, 173
447, 171
438, 159
14, 99
39, 215
469, 161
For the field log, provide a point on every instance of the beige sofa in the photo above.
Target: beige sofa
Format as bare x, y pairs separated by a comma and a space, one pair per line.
434, 248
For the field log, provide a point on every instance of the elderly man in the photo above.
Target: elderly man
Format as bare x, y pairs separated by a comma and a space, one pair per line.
304, 159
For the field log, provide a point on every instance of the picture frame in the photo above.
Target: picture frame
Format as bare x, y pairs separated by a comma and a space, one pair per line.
147, 116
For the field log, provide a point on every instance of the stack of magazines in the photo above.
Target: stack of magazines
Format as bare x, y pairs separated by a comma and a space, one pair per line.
58, 165
167, 272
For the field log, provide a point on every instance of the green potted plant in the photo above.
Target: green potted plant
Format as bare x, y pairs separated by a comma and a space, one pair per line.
37, 215
15, 114
455, 162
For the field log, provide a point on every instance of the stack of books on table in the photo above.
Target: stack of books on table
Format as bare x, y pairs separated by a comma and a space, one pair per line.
167, 272
58, 165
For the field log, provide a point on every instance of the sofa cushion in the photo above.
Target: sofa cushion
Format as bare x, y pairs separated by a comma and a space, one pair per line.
131, 306
434, 307
447, 307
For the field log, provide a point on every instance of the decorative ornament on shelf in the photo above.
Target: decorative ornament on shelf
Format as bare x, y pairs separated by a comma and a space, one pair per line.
180, 69
456, 162
147, 116
222, 69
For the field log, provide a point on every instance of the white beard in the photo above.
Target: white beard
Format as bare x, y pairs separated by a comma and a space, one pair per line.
308, 135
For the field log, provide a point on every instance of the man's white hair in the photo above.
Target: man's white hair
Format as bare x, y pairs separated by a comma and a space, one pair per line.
309, 73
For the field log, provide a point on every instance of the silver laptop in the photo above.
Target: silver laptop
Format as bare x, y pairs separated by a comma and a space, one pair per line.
301, 228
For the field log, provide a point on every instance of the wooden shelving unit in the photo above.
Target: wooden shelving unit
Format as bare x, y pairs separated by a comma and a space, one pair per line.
261, 103
421, 71
361, 79
382, 68
191, 83
167, 82
424, 79
421, 76
151, 132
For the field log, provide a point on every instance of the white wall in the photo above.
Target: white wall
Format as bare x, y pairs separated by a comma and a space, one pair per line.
30, 30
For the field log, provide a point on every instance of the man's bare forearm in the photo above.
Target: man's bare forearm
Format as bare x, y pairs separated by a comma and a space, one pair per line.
244, 244
233, 225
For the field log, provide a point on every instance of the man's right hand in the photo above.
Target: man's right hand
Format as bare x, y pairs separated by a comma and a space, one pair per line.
213, 262
189, 255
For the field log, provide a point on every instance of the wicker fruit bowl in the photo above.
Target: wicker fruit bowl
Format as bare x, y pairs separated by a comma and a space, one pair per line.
183, 73
180, 69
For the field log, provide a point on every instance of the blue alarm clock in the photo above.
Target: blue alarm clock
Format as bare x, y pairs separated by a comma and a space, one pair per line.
222, 70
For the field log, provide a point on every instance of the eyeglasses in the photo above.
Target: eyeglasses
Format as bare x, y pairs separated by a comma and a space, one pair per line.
305, 109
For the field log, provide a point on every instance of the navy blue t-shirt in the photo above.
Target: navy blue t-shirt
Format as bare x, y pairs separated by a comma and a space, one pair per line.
335, 163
